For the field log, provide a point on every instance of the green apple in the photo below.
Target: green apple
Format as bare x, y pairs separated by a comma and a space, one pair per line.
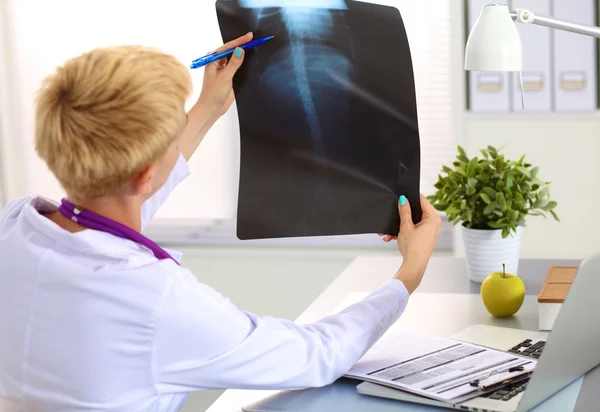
502, 294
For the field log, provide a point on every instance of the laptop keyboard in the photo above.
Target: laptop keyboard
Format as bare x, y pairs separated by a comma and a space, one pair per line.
525, 348
508, 392
528, 348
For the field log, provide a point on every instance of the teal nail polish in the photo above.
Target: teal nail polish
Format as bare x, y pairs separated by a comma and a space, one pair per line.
402, 200
238, 52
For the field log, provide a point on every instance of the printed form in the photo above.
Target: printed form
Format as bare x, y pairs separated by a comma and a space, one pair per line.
435, 367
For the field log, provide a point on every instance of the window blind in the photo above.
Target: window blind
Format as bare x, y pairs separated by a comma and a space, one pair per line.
428, 25
42, 35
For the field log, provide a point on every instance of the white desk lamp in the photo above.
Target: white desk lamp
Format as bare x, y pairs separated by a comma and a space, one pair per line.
494, 43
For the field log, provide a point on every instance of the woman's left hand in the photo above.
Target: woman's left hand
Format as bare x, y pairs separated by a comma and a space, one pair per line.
217, 87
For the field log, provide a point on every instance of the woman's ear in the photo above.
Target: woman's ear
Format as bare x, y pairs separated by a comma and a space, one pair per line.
143, 181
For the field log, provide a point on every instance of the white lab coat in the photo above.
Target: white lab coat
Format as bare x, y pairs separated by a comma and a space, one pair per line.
90, 321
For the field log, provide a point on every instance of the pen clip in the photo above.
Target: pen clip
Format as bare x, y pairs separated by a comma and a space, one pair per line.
476, 383
200, 59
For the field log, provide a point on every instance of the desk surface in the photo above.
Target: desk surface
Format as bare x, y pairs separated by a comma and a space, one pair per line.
445, 275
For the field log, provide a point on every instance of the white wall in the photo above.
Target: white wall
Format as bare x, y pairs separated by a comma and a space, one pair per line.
566, 148
36, 36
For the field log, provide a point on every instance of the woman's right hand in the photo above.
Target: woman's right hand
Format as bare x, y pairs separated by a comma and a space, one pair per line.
416, 242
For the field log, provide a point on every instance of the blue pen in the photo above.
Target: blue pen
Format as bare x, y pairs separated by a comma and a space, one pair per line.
212, 57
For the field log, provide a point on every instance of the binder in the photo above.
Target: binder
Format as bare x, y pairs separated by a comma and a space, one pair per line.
537, 79
488, 91
575, 59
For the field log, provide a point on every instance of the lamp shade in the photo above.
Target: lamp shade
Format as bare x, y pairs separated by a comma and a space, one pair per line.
494, 43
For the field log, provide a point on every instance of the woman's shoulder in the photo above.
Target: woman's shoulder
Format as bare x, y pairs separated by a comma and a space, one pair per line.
15, 206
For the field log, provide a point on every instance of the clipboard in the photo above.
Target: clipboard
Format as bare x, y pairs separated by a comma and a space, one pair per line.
470, 379
492, 387
477, 391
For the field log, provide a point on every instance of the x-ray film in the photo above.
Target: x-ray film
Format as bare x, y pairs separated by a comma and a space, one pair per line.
328, 118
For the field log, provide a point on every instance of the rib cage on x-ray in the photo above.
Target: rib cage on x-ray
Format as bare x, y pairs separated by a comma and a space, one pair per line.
311, 56
328, 122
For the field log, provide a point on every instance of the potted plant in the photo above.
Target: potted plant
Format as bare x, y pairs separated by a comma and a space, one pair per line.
491, 198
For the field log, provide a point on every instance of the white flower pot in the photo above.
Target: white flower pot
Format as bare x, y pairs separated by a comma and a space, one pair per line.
486, 251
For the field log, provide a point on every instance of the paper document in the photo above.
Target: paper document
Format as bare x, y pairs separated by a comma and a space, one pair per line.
439, 368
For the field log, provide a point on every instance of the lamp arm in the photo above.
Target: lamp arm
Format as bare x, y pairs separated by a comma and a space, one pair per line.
526, 16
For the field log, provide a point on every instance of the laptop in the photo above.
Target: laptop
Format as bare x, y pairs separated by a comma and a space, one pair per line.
563, 356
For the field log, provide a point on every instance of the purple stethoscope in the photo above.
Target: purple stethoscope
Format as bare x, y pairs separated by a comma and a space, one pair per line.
95, 221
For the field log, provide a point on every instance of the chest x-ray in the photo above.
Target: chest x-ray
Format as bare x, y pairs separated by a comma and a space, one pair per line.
328, 118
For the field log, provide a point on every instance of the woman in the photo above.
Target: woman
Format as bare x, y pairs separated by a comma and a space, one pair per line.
94, 316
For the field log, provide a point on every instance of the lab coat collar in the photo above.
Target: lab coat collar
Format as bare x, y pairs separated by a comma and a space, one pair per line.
88, 241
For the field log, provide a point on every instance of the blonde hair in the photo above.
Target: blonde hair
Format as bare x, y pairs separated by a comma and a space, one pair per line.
107, 114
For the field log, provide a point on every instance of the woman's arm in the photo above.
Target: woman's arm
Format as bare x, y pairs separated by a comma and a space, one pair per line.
200, 119
178, 174
203, 341
216, 96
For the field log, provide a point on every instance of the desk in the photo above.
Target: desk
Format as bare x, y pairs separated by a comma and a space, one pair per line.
445, 275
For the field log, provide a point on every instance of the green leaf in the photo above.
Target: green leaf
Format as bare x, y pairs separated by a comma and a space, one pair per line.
520, 161
485, 198
461, 171
510, 180
492, 151
545, 191
550, 206
554, 215
453, 209
472, 167
462, 155
540, 204
505, 233
524, 171
446, 169
514, 217
485, 153
542, 214
489, 208
534, 172
463, 159
501, 201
